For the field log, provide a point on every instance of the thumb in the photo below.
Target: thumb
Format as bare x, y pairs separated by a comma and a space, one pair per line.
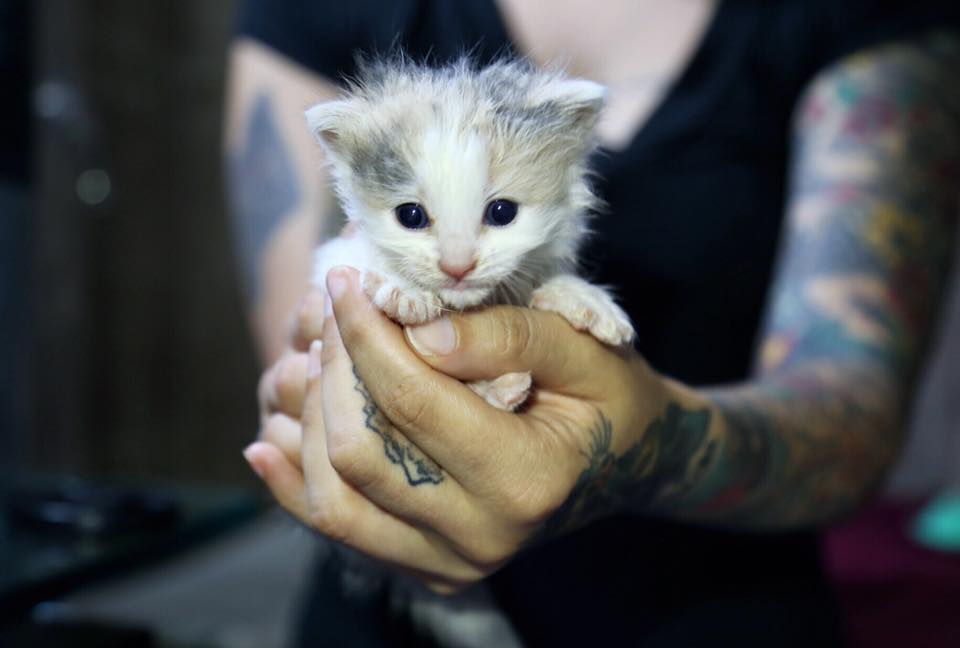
482, 345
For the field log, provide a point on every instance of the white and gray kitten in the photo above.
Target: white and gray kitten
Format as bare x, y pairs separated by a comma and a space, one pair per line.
463, 188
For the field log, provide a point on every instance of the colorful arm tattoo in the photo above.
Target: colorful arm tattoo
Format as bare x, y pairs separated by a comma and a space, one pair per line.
870, 232
869, 235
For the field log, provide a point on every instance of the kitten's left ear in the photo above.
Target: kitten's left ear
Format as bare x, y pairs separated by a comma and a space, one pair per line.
580, 100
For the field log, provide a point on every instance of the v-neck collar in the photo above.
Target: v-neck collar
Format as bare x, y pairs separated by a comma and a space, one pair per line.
688, 77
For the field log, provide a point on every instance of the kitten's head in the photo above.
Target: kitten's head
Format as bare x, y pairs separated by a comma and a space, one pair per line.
464, 180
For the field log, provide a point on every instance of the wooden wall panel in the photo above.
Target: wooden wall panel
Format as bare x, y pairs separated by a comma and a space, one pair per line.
144, 366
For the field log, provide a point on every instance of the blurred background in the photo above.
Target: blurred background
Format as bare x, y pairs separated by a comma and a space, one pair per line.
128, 374
126, 361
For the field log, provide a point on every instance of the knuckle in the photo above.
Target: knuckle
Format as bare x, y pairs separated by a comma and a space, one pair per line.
350, 458
404, 403
308, 324
270, 431
517, 335
486, 555
290, 378
327, 515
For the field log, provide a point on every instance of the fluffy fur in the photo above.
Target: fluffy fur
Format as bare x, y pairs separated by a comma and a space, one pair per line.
453, 139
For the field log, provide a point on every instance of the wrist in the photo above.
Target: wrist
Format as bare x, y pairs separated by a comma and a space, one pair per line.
676, 445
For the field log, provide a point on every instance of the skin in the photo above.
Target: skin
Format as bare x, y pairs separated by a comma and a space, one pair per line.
276, 184
868, 236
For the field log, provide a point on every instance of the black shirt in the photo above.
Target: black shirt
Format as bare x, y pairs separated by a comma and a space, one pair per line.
696, 202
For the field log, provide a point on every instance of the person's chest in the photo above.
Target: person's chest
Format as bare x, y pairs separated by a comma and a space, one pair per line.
636, 48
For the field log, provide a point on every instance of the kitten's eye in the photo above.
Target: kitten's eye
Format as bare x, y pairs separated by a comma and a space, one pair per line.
500, 213
412, 216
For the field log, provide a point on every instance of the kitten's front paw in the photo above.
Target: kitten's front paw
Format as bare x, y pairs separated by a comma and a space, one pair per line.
403, 305
508, 392
586, 307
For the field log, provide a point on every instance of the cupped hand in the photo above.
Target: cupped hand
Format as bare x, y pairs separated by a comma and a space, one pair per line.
401, 461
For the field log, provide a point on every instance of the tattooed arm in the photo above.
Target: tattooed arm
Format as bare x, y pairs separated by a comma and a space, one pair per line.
870, 229
276, 187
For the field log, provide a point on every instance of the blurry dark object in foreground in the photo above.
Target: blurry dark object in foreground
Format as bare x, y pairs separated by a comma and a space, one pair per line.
84, 509
57, 536
75, 634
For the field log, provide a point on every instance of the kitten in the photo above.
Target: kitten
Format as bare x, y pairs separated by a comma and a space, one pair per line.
463, 188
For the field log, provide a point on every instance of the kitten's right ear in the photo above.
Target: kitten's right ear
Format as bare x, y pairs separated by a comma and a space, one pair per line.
579, 100
327, 121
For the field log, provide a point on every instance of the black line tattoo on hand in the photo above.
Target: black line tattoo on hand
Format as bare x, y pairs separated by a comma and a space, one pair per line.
417, 468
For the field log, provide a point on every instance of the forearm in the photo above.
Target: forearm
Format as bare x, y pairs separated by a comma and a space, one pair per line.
276, 191
800, 447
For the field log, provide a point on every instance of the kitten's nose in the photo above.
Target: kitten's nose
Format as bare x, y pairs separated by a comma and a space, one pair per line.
457, 271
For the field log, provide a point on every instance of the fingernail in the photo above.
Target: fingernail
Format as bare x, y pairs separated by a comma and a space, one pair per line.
337, 283
313, 359
327, 307
434, 338
249, 454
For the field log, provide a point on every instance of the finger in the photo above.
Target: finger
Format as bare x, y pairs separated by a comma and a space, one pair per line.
438, 414
282, 386
306, 323
313, 446
284, 479
376, 458
285, 434
483, 345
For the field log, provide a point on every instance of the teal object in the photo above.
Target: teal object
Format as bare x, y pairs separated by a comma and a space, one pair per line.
937, 526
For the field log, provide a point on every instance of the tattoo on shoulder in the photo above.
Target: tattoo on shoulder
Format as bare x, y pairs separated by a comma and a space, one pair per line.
417, 468
263, 188
651, 476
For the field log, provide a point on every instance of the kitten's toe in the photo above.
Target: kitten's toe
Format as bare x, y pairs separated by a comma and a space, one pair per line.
508, 392
417, 307
371, 282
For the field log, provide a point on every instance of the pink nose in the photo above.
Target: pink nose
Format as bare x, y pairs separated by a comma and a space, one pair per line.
457, 272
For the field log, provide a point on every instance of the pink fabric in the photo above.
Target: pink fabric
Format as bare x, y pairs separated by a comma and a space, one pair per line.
894, 592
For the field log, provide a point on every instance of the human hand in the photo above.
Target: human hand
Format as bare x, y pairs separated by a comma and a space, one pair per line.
283, 385
401, 461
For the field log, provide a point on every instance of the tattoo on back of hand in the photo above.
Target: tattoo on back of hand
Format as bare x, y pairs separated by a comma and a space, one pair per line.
652, 475
417, 468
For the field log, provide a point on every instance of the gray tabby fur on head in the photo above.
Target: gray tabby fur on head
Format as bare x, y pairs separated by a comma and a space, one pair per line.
453, 139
